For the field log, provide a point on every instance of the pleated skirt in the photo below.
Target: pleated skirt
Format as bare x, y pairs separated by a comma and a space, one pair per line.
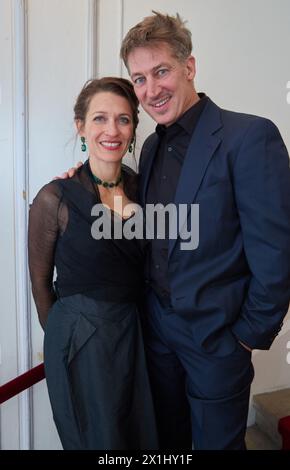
96, 375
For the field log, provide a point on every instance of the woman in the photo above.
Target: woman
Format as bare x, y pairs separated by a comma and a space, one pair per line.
93, 350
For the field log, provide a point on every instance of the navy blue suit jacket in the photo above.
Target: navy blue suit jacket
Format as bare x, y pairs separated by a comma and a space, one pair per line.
236, 283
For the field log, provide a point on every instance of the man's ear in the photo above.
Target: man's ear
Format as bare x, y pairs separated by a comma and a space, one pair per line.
190, 67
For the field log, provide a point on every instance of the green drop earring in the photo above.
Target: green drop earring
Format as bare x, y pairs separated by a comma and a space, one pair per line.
83, 146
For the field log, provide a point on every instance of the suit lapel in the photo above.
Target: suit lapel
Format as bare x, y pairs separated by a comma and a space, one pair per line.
148, 154
202, 146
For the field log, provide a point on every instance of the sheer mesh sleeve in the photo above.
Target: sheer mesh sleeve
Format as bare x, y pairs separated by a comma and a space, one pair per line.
43, 232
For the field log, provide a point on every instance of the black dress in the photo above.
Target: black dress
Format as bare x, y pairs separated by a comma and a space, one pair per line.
93, 347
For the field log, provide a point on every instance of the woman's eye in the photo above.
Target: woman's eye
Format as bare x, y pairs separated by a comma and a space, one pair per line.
99, 118
124, 120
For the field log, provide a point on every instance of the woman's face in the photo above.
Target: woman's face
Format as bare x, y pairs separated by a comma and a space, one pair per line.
108, 128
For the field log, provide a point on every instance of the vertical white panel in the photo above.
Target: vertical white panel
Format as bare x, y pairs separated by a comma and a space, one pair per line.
8, 330
20, 214
109, 36
57, 34
91, 12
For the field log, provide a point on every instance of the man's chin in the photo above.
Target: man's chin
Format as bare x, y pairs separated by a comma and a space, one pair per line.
161, 119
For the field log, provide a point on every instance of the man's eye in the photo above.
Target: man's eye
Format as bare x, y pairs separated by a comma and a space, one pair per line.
161, 72
139, 80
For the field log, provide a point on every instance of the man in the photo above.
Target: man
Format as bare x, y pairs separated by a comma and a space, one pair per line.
207, 308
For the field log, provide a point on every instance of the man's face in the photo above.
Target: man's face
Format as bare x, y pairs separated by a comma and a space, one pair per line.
162, 83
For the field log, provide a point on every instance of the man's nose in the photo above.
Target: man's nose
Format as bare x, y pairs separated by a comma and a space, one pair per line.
152, 88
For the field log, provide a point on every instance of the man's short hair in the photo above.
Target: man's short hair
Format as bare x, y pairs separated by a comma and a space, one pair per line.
155, 29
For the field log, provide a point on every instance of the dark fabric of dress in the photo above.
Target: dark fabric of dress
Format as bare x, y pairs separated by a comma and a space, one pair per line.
93, 348
96, 375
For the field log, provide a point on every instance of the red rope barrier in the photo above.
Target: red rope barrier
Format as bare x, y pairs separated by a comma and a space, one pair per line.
284, 430
22, 382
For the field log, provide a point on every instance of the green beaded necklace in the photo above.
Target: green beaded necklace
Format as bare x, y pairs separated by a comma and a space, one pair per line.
106, 184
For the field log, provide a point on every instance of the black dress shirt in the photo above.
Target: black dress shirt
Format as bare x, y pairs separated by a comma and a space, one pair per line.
173, 143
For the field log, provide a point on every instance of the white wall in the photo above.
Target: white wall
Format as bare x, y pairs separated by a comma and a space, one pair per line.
57, 68
243, 63
241, 48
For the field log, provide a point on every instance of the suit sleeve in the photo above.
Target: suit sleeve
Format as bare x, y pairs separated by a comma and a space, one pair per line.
262, 190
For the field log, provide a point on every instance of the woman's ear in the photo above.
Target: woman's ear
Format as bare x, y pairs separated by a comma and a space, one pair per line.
79, 126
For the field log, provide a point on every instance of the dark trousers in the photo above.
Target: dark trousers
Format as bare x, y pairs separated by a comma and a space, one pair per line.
198, 398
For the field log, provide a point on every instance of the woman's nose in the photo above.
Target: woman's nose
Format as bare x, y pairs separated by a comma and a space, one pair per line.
112, 128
